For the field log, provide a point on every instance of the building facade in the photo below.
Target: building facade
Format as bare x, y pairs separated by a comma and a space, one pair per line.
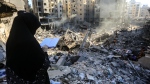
48, 10
144, 11
81, 10
133, 9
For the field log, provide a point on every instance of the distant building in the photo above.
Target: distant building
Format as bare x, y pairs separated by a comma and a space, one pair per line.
48, 10
144, 11
133, 9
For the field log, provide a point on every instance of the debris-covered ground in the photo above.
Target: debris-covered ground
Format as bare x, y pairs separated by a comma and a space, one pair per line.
90, 58
86, 57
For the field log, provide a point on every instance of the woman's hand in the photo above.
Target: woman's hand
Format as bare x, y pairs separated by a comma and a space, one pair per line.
45, 48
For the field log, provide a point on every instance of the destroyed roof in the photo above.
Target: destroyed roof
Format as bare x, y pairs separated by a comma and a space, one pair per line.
10, 8
8, 4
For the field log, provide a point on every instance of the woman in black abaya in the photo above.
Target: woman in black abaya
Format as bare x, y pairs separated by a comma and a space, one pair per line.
26, 62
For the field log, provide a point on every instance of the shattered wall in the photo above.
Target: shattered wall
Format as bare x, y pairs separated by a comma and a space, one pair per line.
5, 27
6, 23
18, 3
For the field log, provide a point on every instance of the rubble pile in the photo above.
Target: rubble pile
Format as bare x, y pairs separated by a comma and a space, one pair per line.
97, 68
90, 58
105, 61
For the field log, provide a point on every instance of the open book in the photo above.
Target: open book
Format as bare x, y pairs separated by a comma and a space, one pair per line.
50, 42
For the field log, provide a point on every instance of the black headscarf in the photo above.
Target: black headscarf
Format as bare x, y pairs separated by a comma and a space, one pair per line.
23, 53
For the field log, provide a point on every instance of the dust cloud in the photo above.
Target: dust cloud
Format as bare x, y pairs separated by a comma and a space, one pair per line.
112, 16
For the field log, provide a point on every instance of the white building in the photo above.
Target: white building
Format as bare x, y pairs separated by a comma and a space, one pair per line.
144, 11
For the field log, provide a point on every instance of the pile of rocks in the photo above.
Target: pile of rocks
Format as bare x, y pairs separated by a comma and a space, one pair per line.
97, 63
101, 68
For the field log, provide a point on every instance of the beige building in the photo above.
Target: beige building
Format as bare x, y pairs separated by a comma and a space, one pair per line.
72, 7
133, 9
81, 10
55, 8
84, 9
68, 7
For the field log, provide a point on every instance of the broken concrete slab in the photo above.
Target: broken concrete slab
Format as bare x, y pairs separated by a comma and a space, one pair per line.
82, 58
55, 73
115, 64
145, 62
90, 77
72, 45
61, 61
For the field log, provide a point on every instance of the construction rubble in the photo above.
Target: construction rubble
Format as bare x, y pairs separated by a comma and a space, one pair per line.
91, 58
88, 57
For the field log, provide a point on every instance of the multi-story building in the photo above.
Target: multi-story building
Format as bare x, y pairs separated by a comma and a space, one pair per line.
80, 10
69, 8
144, 11
56, 8
48, 10
133, 9
90, 9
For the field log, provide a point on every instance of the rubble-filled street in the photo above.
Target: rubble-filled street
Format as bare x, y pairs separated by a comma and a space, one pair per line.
97, 60
91, 58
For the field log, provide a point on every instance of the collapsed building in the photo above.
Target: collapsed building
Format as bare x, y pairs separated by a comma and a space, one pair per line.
86, 56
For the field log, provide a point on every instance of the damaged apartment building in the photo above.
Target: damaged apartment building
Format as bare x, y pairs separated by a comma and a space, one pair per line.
47, 11
77, 11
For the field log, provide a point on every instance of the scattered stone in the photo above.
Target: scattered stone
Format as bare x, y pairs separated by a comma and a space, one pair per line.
61, 61
90, 77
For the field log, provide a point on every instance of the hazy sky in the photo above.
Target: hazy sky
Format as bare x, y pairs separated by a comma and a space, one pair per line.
30, 2
142, 1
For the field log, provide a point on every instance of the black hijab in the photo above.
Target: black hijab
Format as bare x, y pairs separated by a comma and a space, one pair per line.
23, 53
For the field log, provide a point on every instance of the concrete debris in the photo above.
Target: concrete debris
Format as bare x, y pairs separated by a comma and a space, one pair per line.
89, 58
113, 70
82, 76
89, 77
61, 61
97, 63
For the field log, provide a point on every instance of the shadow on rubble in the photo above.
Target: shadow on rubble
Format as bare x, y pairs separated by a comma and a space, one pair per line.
122, 45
